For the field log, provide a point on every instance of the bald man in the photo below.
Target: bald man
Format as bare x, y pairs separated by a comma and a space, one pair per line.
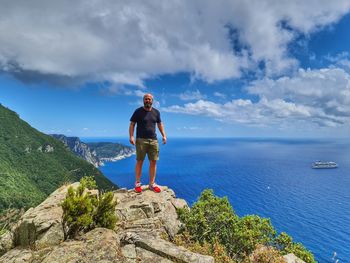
146, 118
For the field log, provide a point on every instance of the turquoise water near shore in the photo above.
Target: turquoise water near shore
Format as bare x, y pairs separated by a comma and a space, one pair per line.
268, 177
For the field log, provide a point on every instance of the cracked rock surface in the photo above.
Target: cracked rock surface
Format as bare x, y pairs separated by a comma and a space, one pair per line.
142, 220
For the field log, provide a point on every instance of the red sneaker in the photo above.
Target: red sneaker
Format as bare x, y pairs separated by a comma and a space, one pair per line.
138, 188
154, 188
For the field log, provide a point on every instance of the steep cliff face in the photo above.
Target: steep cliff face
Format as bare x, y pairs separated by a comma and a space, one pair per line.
79, 148
96, 153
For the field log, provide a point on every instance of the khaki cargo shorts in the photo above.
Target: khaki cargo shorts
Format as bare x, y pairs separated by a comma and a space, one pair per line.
149, 147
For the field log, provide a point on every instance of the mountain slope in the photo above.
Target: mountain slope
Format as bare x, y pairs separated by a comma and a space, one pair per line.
33, 164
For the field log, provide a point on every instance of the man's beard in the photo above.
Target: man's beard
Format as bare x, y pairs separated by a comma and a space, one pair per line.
148, 105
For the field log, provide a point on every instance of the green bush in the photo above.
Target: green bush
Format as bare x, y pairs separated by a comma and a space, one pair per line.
83, 211
104, 215
250, 231
285, 244
88, 182
212, 219
209, 218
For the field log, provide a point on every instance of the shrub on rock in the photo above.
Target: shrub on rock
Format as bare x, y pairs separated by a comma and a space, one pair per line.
84, 210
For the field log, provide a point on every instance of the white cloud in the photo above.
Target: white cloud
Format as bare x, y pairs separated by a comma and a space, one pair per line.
192, 95
189, 128
127, 42
117, 89
311, 97
219, 95
341, 60
325, 89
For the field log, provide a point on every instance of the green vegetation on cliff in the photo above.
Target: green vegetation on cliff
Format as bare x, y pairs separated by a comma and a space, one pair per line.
212, 222
33, 164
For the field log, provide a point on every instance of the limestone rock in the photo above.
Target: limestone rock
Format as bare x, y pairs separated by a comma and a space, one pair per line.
179, 203
149, 211
49, 148
17, 256
146, 256
98, 245
42, 226
6, 242
155, 249
291, 258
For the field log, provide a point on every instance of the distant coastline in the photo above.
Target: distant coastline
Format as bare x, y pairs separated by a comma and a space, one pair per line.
115, 159
97, 152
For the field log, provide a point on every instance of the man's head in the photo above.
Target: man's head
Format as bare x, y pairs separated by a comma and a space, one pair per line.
147, 100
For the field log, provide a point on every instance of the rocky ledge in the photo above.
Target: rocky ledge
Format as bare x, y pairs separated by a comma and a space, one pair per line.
144, 220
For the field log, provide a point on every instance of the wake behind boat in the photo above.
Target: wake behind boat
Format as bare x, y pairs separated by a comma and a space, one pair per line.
324, 165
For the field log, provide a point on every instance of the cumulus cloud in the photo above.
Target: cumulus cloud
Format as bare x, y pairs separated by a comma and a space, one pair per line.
126, 42
321, 97
325, 89
192, 95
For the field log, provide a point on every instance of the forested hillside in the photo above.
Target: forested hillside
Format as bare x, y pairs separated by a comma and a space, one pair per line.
33, 164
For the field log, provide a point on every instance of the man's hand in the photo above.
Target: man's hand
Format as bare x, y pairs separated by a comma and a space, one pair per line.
132, 140
164, 140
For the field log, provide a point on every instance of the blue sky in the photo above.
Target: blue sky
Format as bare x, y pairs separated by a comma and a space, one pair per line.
230, 69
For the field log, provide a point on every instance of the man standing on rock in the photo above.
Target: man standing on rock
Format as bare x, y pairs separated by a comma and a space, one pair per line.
146, 118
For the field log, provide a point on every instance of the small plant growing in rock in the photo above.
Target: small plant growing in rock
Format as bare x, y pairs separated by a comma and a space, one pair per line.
104, 215
214, 249
264, 254
88, 182
83, 210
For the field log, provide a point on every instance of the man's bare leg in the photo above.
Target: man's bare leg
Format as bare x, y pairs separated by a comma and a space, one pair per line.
138, 170
152, 171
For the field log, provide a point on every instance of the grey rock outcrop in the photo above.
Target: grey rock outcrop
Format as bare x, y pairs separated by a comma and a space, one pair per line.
145, 245
42, 226
143, 222
6, 242
138, 235
291, 258
148, 211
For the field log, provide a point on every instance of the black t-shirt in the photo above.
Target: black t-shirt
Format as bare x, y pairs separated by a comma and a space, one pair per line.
146, 122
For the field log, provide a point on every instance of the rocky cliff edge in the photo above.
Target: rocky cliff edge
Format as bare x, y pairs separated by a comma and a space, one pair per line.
143, 220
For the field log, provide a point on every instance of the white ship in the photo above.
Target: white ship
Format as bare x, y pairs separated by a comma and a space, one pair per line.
324, 165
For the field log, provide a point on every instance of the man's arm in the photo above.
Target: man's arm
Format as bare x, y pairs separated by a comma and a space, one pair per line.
161, 129
131, 133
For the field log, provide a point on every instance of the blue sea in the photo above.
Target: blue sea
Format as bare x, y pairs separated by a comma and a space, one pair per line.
268, 177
